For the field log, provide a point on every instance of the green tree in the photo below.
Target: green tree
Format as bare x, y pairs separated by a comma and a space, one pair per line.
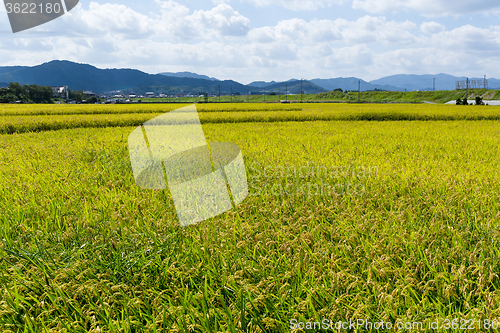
92, 100
76, 95
17, 89
38, 94
6, 96
26, 93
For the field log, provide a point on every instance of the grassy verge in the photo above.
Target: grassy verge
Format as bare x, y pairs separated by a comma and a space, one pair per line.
440, 97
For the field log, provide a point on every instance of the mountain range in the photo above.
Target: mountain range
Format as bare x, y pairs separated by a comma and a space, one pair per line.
189, 75
87, 77
425, 82
399, 82
291, 87
262, 84
351, 83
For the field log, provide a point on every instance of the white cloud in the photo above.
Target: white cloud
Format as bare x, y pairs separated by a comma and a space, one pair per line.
366, 29
423, 60
220, 42
341, 61
173, 21
109, 18
431, 28
173, 8
223, 19
295, 5
426, 7
461, 51
4, 22
469, 39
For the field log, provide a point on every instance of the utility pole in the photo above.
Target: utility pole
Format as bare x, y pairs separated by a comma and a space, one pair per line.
248, 95
359, 91
286, 92
434, 84
231, 93
219, 93
301, 91
467, 90
279, 94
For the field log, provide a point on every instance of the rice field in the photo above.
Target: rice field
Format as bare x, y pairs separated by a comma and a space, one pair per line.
36, 118
382, 213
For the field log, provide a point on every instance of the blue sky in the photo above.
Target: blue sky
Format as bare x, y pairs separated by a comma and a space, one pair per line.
250, 40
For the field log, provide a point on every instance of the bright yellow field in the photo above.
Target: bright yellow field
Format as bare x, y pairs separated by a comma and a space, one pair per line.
403, 228
28, 118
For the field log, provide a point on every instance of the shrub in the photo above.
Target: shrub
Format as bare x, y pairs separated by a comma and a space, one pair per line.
92, 100
6, 96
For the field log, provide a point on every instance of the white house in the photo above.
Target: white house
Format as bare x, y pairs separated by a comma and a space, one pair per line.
61, 91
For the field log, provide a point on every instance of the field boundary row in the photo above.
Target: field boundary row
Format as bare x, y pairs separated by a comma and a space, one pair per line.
7, 129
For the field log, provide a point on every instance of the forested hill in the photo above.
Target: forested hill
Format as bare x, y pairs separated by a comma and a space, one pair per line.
86, 77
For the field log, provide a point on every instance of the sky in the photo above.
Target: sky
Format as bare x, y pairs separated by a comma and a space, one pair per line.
264, 40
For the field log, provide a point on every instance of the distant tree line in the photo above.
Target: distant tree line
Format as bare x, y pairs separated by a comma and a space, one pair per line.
80, 97
26, 93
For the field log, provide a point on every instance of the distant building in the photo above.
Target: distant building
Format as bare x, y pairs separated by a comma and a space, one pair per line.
150, 94
89, 93
60, 92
